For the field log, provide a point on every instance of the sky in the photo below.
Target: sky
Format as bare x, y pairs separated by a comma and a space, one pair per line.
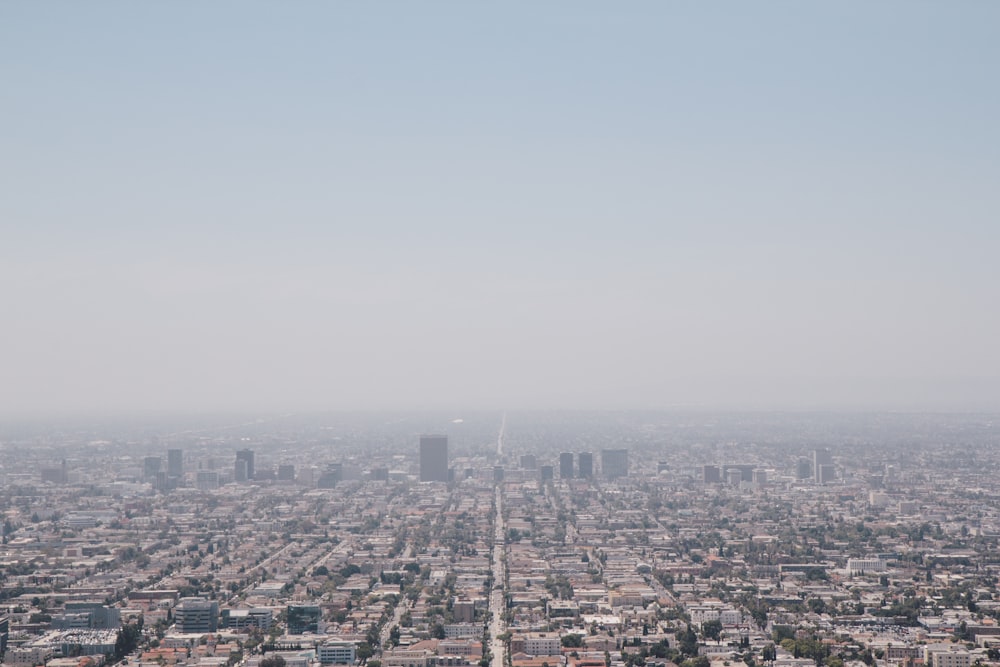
381, 205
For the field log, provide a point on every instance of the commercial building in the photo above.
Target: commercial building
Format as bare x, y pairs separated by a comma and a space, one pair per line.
206, 480
245, 619
150, 466
248, 471
337, 652
196, 615
614, 463
566, 465
585, 465
303, 618
175, 462
433, 458
821, 457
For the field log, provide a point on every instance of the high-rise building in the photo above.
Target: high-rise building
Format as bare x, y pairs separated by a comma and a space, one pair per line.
150, 466
614, 463
529, 462
56, 474
175, 462
803, 469
497, 473
245, 455
827, 473
821, 457
711, 474
547, 473
206, 480
286, 472
433, 458
585, 465
746, 471
196, 615
566, 465
303, 618
331, 476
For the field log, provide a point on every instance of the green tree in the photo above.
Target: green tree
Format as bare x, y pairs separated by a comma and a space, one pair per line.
712, 629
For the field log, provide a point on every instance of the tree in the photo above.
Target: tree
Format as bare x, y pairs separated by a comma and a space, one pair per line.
572, 641
712, 629
273, 661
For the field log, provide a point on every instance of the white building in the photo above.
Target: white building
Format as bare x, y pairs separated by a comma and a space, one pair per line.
337, 652
857, 566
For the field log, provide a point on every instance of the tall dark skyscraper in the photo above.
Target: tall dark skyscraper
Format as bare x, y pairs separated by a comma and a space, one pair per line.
150, 466
614, 463
585, 465
433, 458
175, 462
245, 455
566, 465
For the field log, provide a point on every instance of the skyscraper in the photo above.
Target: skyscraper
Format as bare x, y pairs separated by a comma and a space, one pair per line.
821, 457
150, 466
245, 455
711, 474
585, 465
433, 458
566, 465
614, 463
175, 462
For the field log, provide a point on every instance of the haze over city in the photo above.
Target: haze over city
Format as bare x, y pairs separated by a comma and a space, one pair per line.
322, 206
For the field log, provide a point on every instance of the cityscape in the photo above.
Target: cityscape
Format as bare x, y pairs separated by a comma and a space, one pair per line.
572, 333
628, 539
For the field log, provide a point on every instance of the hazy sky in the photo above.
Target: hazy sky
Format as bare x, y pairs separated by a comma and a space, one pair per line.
327, 205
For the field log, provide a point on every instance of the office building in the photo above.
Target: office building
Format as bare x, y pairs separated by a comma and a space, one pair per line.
196, 615
175, 462
303, 618
529, 462
56, 474
286, 472
745, 471
247, 619
337, 652
207, 480
331, 476
247, 471
711, 474
821, 457
433, 458
614, 463
150, 466
497, 473
566, 465
87, 616
803, 469
827, 473
585, 465
547, 473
